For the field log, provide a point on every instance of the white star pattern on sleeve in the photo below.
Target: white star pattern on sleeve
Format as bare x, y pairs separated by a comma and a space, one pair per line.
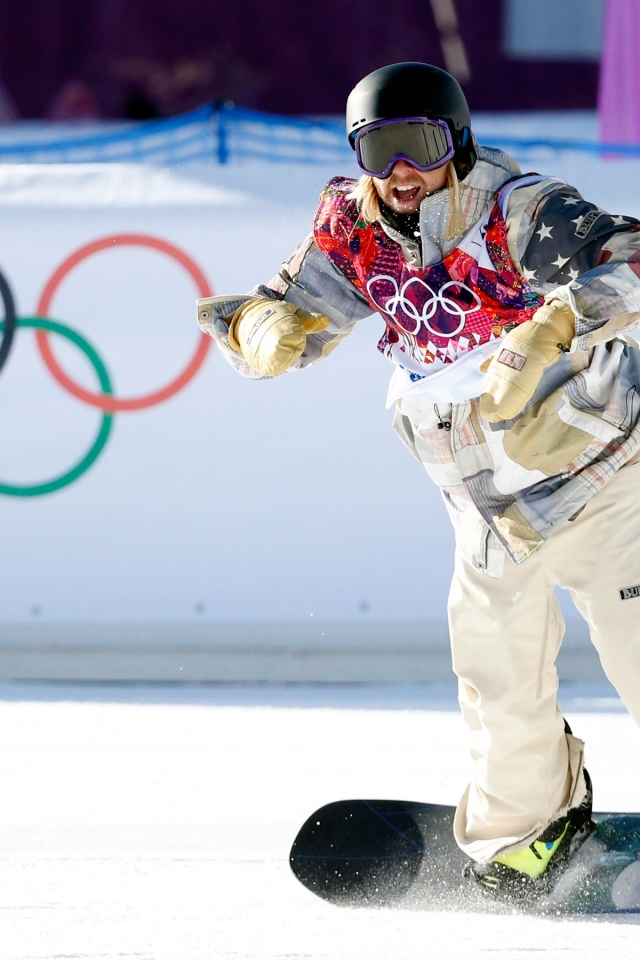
544, 231
560, 262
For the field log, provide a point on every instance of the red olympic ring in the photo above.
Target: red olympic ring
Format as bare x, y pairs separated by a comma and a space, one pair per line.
109, 403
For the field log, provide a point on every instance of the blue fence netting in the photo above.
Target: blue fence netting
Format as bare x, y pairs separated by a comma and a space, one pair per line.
214, 133
222, 133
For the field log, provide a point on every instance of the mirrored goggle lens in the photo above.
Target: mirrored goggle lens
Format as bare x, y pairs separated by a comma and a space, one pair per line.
423, 143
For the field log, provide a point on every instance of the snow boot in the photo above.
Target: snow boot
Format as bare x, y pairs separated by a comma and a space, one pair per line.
524, 875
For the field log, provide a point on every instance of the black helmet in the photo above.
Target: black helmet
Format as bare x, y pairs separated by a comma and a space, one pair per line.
414, 90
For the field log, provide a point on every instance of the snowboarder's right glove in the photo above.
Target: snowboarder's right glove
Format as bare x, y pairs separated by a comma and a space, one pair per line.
271, 334
514, 372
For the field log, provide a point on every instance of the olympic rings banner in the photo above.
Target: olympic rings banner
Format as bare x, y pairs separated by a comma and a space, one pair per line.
143, 480
103, 399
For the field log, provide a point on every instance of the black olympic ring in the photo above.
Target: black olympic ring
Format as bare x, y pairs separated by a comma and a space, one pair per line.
9, 326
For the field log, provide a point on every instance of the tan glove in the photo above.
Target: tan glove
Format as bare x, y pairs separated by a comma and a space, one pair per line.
271, 334
514, 372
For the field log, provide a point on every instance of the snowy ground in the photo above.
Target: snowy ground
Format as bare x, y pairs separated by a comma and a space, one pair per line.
154, 822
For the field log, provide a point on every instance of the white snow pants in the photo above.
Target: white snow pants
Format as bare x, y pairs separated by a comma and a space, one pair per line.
505, 636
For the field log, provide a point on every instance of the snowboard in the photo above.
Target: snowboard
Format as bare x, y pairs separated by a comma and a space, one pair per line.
399, 854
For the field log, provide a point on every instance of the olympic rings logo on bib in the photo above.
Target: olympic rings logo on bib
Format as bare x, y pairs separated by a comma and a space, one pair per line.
103, 399
415, 304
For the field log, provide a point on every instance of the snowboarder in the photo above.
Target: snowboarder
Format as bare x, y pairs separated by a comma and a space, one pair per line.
510, 306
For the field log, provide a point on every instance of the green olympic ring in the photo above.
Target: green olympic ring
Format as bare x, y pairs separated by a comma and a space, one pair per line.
106, 423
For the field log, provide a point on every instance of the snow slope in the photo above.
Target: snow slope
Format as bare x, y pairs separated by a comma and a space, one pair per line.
155, 823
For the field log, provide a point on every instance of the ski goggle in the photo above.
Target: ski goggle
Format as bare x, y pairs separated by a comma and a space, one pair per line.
423, 143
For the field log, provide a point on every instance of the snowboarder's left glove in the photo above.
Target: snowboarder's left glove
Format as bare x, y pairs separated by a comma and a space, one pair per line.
514, 372
271, 334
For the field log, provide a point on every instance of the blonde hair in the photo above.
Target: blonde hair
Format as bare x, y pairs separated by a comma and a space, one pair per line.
368, 201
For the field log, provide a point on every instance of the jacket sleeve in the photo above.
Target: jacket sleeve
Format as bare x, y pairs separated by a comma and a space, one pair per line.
572, 250
308, 279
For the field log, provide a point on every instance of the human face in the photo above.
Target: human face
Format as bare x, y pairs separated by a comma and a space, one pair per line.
405, 188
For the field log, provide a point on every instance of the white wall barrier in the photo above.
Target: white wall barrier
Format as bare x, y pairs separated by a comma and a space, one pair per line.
161, 518
263, 652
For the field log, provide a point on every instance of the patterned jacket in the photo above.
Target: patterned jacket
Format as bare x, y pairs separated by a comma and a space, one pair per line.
507, 486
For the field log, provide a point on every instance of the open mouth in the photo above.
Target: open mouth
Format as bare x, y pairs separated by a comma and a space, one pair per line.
405, 194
